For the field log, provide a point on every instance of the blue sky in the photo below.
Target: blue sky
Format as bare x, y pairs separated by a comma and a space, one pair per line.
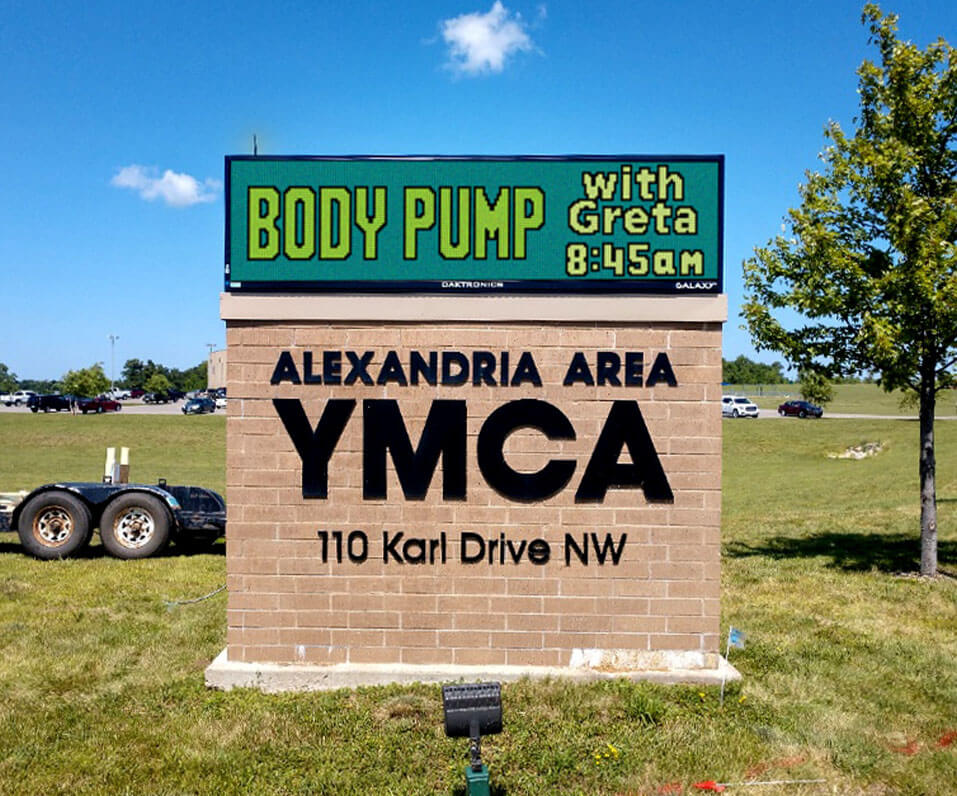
115, 119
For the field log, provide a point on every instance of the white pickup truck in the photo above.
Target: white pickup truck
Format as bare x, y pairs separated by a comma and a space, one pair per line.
18, 398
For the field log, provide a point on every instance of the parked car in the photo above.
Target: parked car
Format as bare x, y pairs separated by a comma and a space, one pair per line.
18, 398
738, 406
156, 398
119, 395
99, 404
199, 406
137, 392
174, 394
220, 402
50, 403
799, 409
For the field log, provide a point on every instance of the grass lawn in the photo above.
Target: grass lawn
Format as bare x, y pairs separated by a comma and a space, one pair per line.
849, 670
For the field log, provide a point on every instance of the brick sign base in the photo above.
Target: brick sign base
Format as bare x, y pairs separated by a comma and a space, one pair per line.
433, 487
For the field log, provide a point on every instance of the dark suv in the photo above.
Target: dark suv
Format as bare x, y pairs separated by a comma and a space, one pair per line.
49, 403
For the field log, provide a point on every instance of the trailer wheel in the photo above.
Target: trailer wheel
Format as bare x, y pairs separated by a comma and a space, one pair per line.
54, 525
135, 526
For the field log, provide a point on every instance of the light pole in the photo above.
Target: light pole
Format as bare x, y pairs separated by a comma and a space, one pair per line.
209, 359
113, 339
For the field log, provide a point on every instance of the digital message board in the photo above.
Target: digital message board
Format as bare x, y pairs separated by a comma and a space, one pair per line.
588, 224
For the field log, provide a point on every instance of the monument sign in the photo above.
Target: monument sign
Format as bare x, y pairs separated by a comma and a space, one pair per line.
473, 417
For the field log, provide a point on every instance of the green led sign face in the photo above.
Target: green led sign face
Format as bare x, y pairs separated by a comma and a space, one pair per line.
525, 224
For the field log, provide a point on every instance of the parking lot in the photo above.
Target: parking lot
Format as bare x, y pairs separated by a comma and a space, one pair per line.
134, 407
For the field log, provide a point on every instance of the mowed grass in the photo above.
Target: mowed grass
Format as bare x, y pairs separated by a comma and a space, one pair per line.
849, 670
41, 448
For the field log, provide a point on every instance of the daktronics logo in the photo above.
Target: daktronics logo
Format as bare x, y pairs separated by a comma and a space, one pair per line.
695, 285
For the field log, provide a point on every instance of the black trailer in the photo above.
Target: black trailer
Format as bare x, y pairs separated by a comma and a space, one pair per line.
135, 520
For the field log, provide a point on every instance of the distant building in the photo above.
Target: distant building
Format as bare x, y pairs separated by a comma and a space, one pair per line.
216, 370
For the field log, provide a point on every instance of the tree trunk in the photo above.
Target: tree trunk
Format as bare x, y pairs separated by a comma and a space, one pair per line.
928, 466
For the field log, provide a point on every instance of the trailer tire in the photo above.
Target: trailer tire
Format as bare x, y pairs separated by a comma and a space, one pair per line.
54, 525
135, 525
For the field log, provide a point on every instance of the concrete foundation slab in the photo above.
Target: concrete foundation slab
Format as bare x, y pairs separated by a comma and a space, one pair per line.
225, 675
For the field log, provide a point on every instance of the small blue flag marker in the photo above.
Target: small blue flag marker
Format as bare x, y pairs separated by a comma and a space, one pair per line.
736, 638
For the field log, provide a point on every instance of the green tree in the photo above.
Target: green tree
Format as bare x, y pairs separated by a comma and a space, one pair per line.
194, 378
134, 374
42, 386
816, 388
744, 371
8, 380
158, 383
87, 382
870, 258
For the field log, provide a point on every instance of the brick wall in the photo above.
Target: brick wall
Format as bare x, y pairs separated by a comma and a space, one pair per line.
286, 605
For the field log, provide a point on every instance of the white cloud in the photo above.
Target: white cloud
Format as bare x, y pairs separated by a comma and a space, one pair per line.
482, 42
178, 190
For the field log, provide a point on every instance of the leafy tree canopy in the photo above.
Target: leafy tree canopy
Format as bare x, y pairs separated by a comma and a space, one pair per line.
871, 252
137, 373
41, 386
8, 380
743, 371
87, 382
158, 383
816, 388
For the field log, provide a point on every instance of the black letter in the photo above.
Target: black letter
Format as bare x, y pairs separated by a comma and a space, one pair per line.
315, 447
525, 413
359, 367
526, 371
392, 370
634, 362
311, 378
389, 547
608, 364
661, 370
444, 433
464, 539
331, 365
624, 426
578, 370
418, 365
285, 369
450, 358
483, 368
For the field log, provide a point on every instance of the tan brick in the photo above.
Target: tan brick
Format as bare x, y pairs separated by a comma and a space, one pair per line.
479, 657
430, 655
371, 655
357, 638
463, 638
307, 637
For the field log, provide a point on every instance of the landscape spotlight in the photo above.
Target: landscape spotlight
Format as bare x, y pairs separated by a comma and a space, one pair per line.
471, 711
